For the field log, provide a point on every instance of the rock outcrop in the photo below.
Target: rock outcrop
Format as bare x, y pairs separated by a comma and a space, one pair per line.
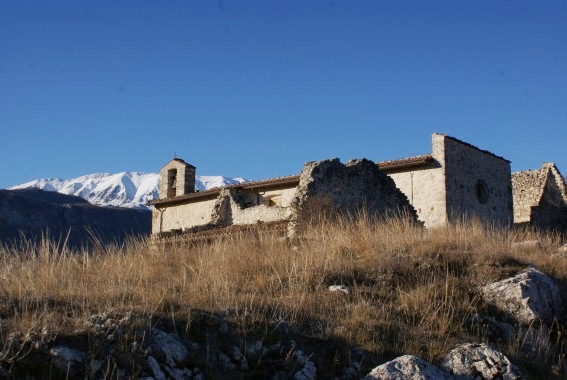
480, 361
408, 367
112, 345
530, 295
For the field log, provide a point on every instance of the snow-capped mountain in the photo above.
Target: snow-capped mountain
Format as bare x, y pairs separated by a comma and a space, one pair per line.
128, 189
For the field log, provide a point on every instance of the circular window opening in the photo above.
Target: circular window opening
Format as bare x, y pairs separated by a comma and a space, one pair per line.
481, 191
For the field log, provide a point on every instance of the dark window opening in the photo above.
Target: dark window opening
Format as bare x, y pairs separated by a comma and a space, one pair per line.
481, 191
171, 182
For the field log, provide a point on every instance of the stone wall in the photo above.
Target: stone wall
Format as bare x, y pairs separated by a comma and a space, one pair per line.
179, 216
334, 188
238, 207
425, 187
232, 206
324, 186
462, 181
184, 179
540, 198
528, 188
478, 184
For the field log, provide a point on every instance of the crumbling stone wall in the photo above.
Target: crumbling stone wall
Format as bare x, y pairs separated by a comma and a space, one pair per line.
335, 188
528, 188
540, 198
240, 206
231, 206
324, 186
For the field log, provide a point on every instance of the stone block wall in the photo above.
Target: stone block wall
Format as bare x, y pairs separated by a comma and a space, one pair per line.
425, 187
334, 188
181, 174
323, 186
540, 198
528, 188
232, 206
462, 181
178, 217
478, 184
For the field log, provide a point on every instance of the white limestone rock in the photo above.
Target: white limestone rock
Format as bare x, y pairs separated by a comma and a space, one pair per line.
480, 361
309, 370
339, 288
68, 360
408, 367
527, 245
154, 365
168, 348
528, 296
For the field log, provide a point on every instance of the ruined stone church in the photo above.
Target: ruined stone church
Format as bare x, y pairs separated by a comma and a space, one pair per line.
455, 181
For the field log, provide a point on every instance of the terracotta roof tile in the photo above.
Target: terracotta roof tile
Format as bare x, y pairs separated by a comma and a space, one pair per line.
287, 180
403, 163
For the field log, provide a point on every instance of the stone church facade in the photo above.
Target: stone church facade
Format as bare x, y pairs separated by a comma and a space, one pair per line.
457, 180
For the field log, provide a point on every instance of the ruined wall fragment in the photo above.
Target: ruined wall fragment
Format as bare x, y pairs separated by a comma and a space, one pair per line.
330, 187
540, 198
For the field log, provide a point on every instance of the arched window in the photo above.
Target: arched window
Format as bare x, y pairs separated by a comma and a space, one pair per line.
481, 191
171, 182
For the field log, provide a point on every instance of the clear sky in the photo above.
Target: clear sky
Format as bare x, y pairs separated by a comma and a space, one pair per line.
256, 88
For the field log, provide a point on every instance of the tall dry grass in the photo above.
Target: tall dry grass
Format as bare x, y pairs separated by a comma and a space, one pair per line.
413, 291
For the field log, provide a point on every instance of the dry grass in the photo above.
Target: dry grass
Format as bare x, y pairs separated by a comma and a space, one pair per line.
413, 290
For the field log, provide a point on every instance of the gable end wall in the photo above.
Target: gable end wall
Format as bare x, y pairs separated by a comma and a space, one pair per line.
465, 167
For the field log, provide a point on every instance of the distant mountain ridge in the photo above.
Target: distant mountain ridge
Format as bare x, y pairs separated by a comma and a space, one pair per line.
127, 189
29, 215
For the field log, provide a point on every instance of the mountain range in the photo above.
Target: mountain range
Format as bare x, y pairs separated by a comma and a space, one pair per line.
127, 189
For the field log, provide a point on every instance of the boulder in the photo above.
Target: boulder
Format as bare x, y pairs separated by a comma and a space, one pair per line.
528, 296
168, 349
407, 367
339, 289
308, 369
480, 361
68, 360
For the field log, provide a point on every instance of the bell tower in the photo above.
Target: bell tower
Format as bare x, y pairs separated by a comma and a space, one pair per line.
176, 178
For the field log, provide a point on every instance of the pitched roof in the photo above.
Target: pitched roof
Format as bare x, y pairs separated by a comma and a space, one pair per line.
179, 160
271, 182
406, 163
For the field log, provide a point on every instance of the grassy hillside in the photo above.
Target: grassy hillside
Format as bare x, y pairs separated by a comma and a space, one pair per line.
412, 291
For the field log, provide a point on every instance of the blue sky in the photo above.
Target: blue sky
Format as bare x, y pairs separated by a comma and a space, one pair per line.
256, 88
